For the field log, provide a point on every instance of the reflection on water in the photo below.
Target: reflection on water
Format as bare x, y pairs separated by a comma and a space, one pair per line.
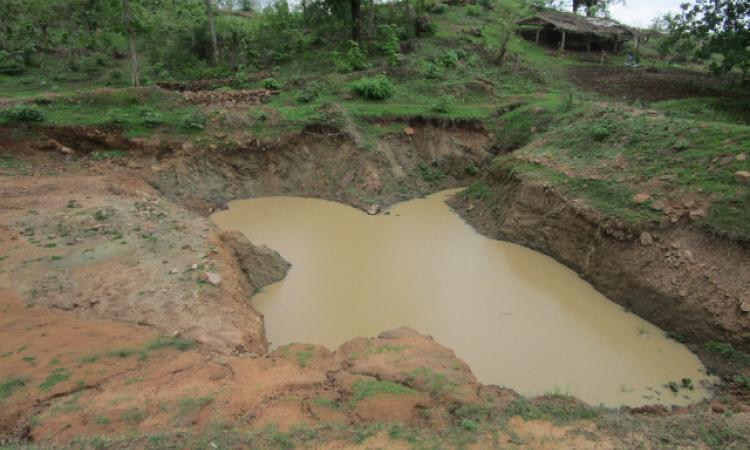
517, 317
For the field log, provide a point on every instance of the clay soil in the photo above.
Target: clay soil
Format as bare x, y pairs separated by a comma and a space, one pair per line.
113, 333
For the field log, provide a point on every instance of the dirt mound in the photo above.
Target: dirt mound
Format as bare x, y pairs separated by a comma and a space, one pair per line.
644, 84
229, 98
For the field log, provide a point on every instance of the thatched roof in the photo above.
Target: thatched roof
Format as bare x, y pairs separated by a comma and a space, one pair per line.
578, 24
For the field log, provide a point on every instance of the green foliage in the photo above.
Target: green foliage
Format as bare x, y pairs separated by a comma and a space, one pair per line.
309, 93
106, 155
444, 104
449, 58
430, 174
478, 190
374, 88
193, 122
728, 351
362, 389
599, 132
351, 60
21, 114
712, 27
272, 84
387, 43
11, 64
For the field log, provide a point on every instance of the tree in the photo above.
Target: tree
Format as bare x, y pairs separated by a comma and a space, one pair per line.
212, 31
355, 9
718, 32
127, 17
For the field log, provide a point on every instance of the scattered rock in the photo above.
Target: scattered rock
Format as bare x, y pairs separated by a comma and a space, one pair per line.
745, 307
742, 176
211, 277
174, 271
698, 213
658, 205
373, 209
646, 239
409, 131
641, 197
741, 157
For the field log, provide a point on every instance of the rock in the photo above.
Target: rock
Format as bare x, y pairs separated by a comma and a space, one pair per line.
658, 205
745, 307
133, 165
211, 277
373, 209
742, 176
65, 150
641, 197
409, 131
646, 239
696, 214
174, 271
741, 157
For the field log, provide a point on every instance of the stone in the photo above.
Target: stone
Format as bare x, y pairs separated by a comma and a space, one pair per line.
641, 197
741, 157
409, 131
646, 239
211, 277
373, 209
745, 307
65, 150
658, 205
698, 213
742, 176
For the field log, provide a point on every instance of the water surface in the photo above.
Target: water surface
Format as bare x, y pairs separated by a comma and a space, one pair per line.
517, 317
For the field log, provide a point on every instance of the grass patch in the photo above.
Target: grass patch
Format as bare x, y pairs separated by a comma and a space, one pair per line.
362, 389
10, 385
55, 377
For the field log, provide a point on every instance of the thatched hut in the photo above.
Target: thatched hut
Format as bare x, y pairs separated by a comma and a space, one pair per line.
573, 32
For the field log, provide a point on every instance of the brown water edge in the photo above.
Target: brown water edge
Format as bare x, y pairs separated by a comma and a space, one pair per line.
517, 317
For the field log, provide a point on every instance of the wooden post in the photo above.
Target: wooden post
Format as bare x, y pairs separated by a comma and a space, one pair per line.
614, 47
212, 32
588, 44
128, 19
562, 42
538, 32
638, 45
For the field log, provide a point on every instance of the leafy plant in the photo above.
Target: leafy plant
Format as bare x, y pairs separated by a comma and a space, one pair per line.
443, 104
22, 114
374, 88
272, 84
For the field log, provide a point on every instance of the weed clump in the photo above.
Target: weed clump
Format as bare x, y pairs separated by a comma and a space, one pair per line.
374, 88
22, 114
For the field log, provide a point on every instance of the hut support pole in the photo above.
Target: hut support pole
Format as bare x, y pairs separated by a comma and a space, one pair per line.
637, 46
538, 32
614, 47
562, 42
588, 45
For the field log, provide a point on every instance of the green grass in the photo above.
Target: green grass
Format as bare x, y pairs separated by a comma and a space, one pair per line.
55, 377
192, 405
10, 385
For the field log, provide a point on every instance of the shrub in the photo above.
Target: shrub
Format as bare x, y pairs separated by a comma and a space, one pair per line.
152, 119
115, 78
387, 43
193, 122
439, 8
374, 88
444, 104
449, 58
599, 132
11, 64
432, 71
22, 114
309, 93
352, 60
272, 84
474, 10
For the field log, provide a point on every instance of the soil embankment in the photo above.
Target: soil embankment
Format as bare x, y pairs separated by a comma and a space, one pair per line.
685, 281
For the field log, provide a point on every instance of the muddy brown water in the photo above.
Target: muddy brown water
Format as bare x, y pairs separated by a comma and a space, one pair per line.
516, 316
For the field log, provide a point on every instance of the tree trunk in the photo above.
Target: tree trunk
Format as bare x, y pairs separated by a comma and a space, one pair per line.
128, 19
371, 23
576, 5
212, 31
355, 20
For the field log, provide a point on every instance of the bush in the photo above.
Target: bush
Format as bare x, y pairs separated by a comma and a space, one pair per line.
439, 8
193, 122
115, 78
374, 88
22, 114
449, 58
309, 93
11, 64
474, 10
352, 60
444, 104
599, 132
152, 119
272, 84
432, 71
387, 43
